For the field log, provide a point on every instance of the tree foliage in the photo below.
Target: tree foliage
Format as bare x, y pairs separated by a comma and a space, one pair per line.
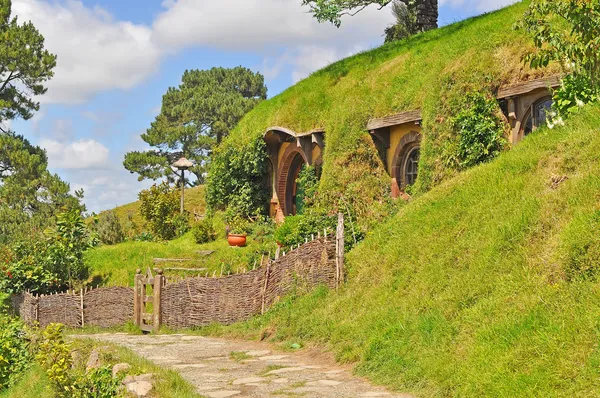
333, 10
30, 196
25, 65
48, 263
406, 25
237, 179
194, 118
159, 207
567, 32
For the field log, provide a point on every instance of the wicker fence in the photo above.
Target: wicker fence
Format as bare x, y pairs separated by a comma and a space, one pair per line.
105, 307
195, 301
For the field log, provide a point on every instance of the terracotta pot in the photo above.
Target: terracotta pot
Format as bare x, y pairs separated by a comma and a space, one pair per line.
236, 240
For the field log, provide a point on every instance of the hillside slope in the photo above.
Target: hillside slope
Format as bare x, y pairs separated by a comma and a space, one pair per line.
485, 286
431, 71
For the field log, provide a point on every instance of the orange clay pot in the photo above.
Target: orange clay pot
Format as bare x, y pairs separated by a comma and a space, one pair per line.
236, 240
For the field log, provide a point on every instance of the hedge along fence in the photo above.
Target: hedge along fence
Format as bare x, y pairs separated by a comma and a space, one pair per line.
199, 301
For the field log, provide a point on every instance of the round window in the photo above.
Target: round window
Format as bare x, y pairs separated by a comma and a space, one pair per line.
411, 166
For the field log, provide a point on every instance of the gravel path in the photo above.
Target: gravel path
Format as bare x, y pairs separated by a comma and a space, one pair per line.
230, 368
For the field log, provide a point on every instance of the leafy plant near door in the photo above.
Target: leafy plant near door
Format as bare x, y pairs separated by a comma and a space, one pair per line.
566, 32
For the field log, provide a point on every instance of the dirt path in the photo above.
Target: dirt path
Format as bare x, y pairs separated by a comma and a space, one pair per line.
228, 368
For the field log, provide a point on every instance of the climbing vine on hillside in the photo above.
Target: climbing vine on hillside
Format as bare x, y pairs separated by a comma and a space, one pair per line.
237, 178
479, 130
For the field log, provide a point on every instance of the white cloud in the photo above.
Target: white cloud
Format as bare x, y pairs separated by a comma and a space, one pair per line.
479, 5
268, 27
82, 154
257, 24
95, 52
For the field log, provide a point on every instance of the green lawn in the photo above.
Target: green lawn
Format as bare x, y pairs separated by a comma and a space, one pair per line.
486, 286
117, 264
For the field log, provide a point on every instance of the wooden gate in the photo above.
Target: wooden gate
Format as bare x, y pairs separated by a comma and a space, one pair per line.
146, 300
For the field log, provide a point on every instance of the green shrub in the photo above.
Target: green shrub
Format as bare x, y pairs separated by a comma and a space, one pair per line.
238, 225
144, 237
288, 233
97, 383
48, 263
480, 131
69, 381
159, 207
237, 179
14, 354
181, 222
263, 229
204, 232
54, 356
108, 228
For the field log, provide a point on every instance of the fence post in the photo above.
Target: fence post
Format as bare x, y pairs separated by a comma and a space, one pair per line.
137, 298
266, 285
339, 250
156, 293
81, 306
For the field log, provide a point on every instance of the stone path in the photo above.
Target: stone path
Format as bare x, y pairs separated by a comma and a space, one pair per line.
228, 368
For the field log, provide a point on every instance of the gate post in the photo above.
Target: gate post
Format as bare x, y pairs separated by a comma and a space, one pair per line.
138, 298
159, 281
339, 250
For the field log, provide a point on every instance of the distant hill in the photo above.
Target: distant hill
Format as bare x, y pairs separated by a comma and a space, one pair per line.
194, 201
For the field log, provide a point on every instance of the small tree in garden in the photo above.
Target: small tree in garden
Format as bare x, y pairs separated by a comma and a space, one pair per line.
160, 207
567, 32
195, 117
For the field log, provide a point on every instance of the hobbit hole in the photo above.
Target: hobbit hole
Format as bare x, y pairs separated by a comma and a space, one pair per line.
288, 153
397, 138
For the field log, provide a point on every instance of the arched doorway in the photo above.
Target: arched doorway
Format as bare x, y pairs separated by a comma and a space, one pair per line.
294, 196
290, 192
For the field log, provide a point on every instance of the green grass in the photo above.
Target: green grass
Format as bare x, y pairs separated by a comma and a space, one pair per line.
117, 264
485, 286
168, 383
34, 383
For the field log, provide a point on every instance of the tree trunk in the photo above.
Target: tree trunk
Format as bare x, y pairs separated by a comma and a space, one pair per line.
427, 14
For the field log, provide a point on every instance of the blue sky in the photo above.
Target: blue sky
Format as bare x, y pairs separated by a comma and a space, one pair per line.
116, 58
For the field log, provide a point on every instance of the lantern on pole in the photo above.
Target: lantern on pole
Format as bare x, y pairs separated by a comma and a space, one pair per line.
182, 165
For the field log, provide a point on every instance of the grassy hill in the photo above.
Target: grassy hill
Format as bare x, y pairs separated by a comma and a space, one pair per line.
431, 71
485, 286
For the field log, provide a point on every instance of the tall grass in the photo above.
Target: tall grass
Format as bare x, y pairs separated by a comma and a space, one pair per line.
473, 288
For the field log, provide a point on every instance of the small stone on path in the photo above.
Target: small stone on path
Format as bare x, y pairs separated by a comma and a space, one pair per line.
258, 353
140, 388
274, 358
223, 393
328, 383
249, 380
120, 367
285, 370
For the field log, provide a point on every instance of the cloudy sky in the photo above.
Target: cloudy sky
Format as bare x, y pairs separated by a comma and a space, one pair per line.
116, 58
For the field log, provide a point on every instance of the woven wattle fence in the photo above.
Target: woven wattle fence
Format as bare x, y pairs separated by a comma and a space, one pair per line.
201, 301
105, 307
196, 301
